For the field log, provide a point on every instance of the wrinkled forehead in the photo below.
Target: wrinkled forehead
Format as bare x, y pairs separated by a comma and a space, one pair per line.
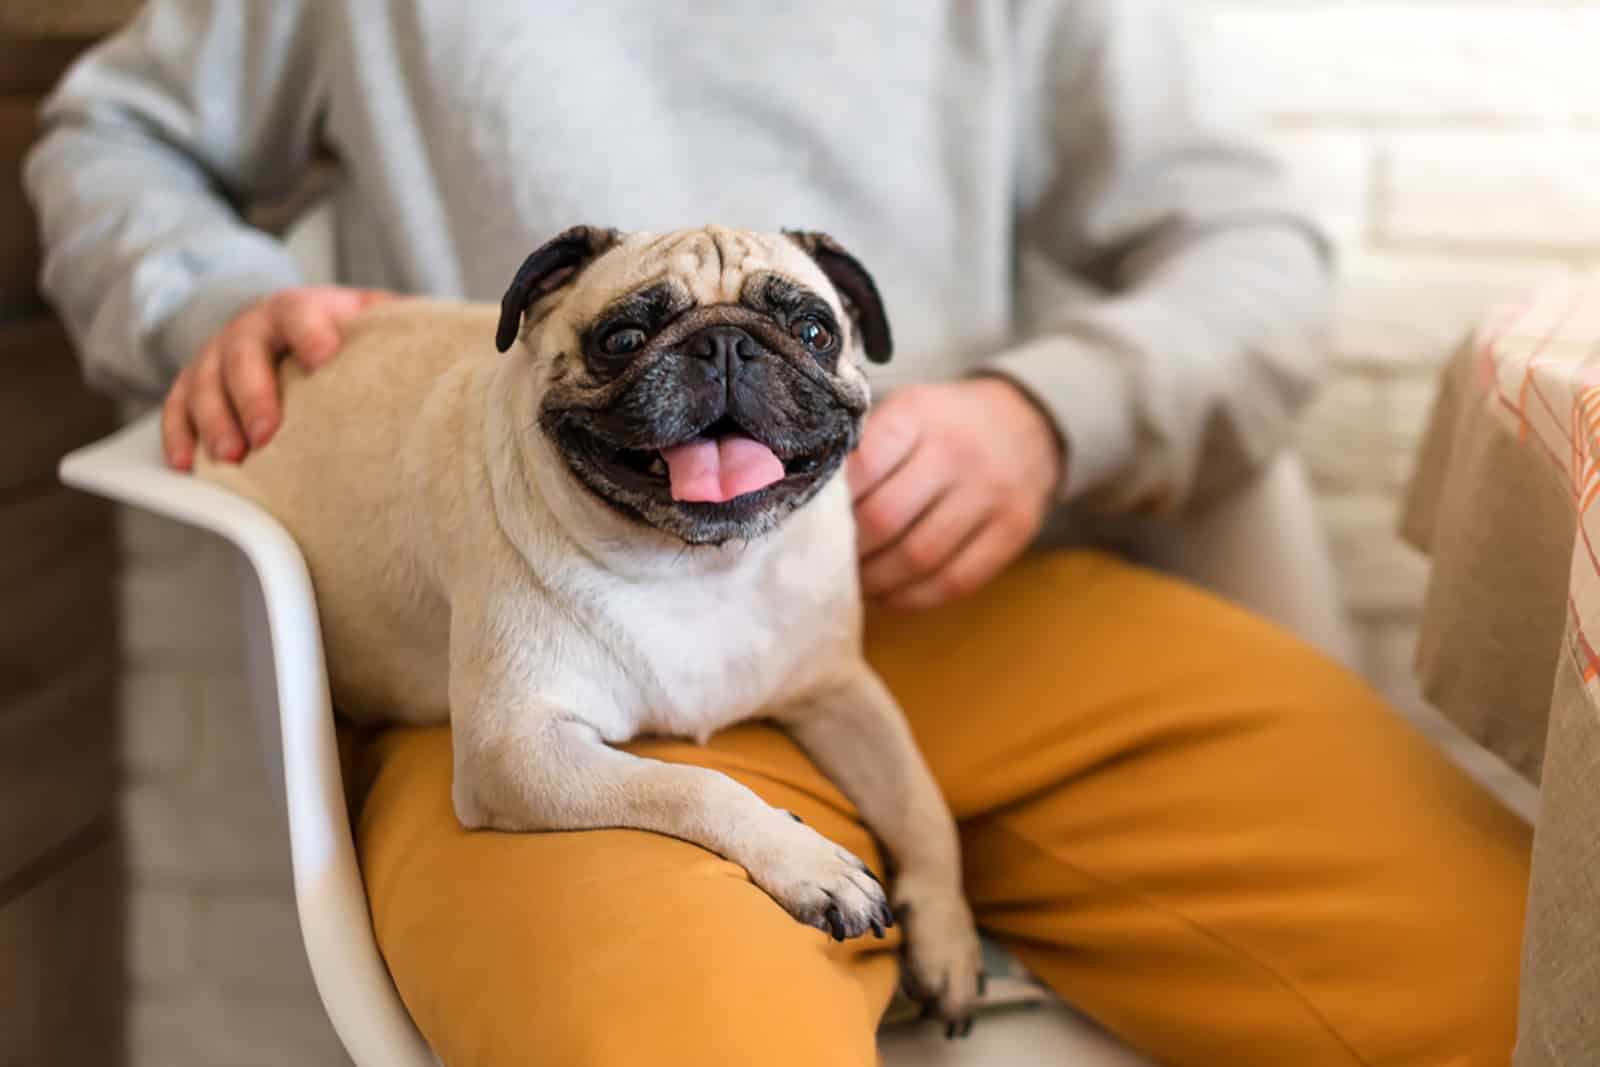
710, 264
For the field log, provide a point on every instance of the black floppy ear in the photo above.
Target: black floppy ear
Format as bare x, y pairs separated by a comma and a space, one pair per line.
856, 287
551, 266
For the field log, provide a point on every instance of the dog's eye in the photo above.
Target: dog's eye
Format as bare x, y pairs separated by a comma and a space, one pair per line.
622, 341
812, 334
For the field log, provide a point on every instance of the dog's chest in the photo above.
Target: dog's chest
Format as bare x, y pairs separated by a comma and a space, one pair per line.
701, 654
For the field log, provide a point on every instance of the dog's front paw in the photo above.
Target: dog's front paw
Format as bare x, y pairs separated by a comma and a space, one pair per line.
943, 963
817, 881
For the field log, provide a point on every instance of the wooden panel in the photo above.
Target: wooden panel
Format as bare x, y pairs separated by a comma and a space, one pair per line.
61, 986
31, 64
55, 620
19, 233
37, 528
29, 69
57, 763
45, 411
61, 870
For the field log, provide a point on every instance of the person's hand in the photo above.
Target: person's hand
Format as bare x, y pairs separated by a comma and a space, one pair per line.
227, 397
950, 484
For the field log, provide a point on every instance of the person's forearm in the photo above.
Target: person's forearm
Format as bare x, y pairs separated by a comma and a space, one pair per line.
151, 140
1185, 383
144, 261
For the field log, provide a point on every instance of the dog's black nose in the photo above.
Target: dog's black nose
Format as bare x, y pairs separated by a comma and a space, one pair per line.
725, 346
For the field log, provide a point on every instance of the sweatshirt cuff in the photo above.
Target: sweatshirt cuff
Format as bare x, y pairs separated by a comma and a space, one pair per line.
1084, 390
211, 306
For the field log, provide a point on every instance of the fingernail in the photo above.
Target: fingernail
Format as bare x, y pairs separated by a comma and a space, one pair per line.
260, 428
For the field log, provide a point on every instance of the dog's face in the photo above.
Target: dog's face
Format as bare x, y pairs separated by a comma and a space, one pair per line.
704, 382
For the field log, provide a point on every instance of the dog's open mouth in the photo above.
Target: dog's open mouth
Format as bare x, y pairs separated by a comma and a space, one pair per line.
719, 464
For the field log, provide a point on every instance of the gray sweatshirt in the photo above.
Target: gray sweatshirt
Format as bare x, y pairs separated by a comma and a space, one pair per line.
1039, 187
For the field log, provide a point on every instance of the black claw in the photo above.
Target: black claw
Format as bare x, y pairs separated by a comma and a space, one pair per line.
983, 982
877, 929
796, 818
835, 921
961, 1028
888, 916
868, 872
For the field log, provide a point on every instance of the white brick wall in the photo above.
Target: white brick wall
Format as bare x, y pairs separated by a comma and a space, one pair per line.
1457, 189
1454, 147
1362, 64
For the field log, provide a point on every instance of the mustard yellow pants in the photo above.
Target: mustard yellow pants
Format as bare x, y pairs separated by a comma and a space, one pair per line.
1223, 847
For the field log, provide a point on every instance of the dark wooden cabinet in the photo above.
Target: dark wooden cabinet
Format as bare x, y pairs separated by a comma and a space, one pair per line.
62, 886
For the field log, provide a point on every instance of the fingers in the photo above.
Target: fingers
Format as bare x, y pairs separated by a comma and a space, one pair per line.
308, 319
250, 379
897, 502
947, 490
177, 432
928, 544
227, 399
309, 326
891, 435
210, 409
985, 554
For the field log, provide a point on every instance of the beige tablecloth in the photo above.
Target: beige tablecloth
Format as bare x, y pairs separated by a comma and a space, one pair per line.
1504, 501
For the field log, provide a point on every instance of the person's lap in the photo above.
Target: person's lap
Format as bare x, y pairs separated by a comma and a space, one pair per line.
1197, 830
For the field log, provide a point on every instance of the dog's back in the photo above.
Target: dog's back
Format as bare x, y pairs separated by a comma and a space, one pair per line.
335, 475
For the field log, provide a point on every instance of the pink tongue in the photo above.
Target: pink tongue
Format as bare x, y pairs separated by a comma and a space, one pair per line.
710, 471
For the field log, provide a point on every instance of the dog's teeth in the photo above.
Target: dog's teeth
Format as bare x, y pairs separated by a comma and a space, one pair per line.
658, 467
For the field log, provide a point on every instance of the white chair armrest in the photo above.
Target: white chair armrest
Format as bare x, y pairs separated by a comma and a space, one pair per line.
336, 926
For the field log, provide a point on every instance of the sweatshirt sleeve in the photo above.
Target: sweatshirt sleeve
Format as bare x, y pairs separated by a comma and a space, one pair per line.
1184, 374
154, 141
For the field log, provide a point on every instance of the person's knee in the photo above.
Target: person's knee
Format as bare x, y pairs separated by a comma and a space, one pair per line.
742, 1015
1476, 989
1445, 928
725, 978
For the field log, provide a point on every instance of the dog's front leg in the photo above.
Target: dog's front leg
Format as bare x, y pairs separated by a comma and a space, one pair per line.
858, 737
559, 775
523, 765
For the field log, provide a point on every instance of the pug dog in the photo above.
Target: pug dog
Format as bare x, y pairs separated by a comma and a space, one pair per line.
613, 507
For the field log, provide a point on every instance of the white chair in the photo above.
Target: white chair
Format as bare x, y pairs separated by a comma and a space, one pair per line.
1263, 547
